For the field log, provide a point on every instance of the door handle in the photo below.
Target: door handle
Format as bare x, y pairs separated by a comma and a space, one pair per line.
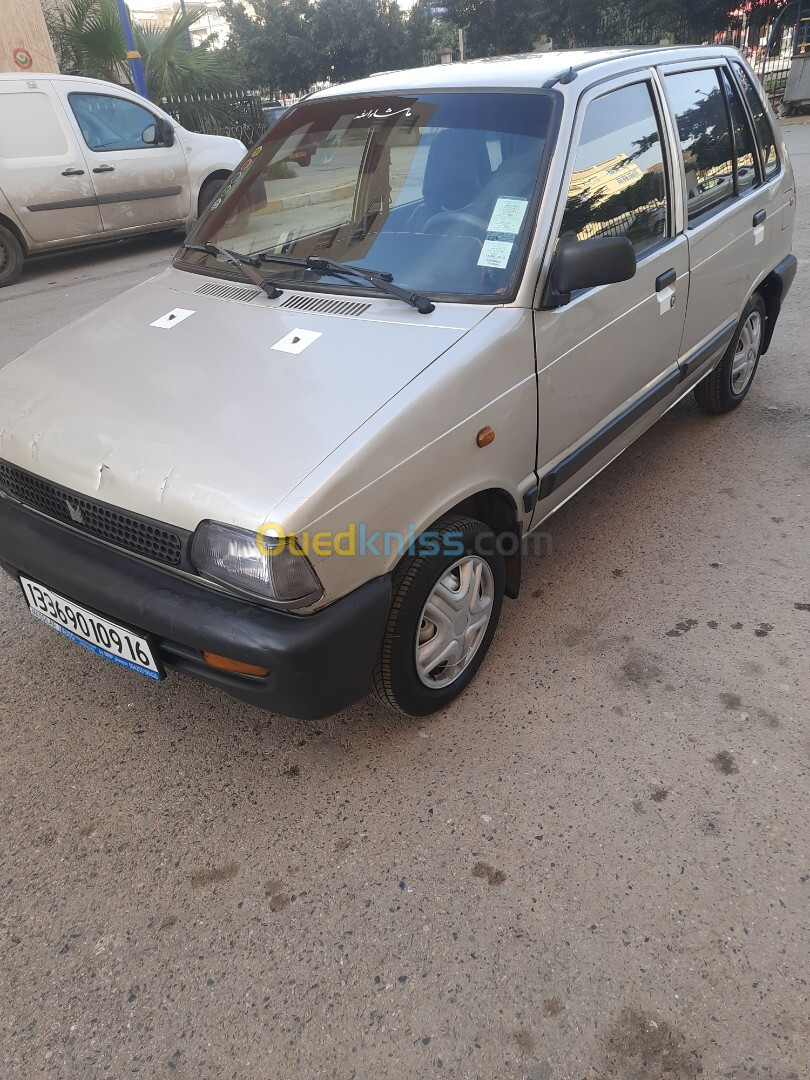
759, 218
73, 172
663, 281
105, 168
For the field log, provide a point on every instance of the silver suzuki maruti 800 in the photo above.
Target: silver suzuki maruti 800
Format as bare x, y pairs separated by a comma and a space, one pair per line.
426, 309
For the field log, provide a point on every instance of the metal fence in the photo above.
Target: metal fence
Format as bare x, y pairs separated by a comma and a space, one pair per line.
237, 113
774, 47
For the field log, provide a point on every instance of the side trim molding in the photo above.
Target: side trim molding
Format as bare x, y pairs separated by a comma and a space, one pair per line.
64, 204
579, 458
104, 200
714, 345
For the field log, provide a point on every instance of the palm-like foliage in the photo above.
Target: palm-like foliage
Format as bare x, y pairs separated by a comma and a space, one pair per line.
89, 40
169, 66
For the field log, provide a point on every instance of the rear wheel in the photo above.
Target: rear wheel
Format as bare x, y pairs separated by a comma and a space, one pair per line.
725, 387
12, 257
443, 617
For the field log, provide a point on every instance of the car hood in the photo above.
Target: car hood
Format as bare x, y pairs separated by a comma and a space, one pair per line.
210, 418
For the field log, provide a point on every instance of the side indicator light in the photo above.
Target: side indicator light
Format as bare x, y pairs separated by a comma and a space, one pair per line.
224, 663
485, 436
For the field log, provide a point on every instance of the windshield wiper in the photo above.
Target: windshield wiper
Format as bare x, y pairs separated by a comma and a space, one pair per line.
380, 279
244, 263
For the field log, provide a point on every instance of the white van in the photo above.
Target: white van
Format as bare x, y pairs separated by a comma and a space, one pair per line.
83, 160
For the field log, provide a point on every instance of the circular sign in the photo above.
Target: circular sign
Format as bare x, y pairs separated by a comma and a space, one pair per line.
23, 58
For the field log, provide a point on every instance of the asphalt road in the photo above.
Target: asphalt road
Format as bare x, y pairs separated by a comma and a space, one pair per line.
594, 865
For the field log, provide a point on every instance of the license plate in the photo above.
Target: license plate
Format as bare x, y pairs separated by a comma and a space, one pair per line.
94, 632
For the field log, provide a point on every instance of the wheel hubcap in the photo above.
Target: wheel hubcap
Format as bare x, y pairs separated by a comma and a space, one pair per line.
454, 621
4, 256
746, 353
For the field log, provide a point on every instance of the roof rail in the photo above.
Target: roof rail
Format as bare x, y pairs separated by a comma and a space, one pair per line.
571, 73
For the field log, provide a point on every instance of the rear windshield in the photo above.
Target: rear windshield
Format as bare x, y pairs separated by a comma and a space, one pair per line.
437, 189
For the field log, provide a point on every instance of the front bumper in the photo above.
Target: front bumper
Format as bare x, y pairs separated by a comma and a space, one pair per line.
318, 663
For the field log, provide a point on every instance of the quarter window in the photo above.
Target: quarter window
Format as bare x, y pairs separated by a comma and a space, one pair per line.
743, 139
767, 140
112, 123
618, 187
706, 141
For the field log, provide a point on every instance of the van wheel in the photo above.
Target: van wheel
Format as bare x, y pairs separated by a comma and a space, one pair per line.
443, 617
11, 257
726, 386
208, 192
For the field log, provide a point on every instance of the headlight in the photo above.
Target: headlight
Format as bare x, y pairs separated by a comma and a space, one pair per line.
273, 570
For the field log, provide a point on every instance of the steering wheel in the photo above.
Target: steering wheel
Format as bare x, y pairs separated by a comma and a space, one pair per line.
454, 217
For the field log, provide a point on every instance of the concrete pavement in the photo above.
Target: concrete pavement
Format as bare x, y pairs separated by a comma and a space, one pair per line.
594, 865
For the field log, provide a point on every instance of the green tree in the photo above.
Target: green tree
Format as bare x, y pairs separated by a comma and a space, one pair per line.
273, 48
496, 27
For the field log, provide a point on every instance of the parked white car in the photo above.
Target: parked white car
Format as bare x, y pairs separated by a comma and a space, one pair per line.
83, 160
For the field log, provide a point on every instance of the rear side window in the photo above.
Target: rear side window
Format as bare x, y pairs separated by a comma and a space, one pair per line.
706, 141
29, 127
745, 146
618, 187
767, 139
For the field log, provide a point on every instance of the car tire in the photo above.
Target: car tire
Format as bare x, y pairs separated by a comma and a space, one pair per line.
208, 192
12, 257
725, 387
464, 579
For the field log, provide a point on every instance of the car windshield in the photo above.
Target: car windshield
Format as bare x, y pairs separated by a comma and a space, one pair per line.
435, 189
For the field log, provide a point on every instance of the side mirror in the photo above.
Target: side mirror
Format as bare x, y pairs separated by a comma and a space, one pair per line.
166, 131
584, 264
191, 224
149, 135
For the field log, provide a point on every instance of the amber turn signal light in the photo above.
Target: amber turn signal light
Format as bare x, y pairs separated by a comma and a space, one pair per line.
485, 436
224, 663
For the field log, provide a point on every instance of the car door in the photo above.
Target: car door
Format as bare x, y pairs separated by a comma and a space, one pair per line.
138, 168
611, 353
727, 206
43, 173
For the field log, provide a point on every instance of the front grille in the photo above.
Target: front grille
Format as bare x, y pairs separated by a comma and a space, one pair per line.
144, 537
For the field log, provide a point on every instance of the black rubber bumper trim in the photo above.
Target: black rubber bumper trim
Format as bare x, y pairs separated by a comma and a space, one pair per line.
784, 273
318, 663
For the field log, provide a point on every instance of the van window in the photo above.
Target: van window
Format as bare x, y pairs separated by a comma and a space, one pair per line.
29, 127
618, 187
767, 139
111, 123
706, 145
743, 138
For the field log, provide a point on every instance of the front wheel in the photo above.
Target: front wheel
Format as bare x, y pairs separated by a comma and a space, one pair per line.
725, 388
443, 617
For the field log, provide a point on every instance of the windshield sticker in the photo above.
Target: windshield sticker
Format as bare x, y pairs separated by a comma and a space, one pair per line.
296, 341
507, 217
375, 114
172, 318
496, 254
